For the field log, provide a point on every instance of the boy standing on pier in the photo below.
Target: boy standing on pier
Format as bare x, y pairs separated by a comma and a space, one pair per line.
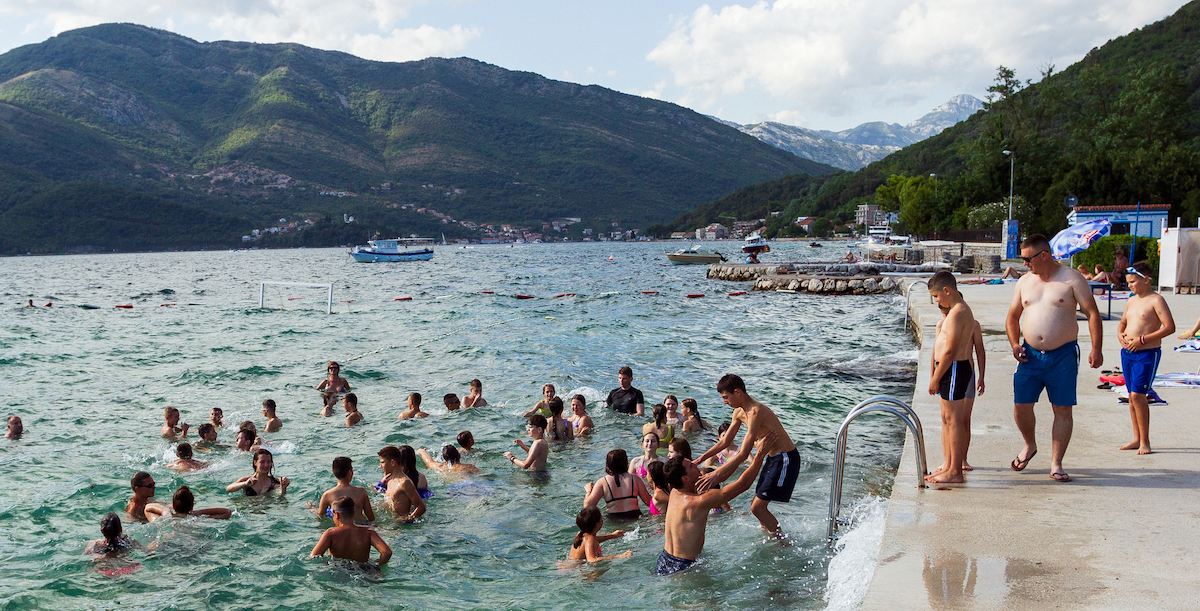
952, 375
1146, 321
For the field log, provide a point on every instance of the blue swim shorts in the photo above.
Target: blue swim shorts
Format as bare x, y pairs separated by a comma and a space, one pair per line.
1140, 368
1055, 370
668, 564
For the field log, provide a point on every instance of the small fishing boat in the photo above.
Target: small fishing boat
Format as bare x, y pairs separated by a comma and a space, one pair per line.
815, 245
756, 244
694, 255
398, 249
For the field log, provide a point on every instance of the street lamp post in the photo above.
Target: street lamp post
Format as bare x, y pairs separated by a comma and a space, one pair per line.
1012, 160
933, 177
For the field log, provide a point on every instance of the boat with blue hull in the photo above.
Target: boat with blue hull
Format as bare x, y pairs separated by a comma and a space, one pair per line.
392, 250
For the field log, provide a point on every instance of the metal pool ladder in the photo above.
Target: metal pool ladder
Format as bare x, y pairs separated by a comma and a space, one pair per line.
908, 301
874, 404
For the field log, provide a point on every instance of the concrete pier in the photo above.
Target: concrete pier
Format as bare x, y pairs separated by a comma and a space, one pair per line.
1123, 535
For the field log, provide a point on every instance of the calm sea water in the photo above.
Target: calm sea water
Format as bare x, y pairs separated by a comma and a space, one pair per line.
91, 386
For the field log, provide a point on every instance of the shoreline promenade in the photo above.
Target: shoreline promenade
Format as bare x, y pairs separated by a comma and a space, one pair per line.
1123, 535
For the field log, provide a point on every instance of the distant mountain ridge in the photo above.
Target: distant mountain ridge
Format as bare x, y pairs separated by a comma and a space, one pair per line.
248, 133
865, 144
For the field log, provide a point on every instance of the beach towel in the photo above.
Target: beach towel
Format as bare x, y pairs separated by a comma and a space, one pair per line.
1177, 380
1192, 345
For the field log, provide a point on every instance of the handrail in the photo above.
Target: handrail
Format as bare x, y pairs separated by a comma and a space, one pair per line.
874, 404
908, 299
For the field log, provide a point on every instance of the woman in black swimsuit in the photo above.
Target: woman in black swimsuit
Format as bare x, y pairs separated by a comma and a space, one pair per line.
619, 488
262, 481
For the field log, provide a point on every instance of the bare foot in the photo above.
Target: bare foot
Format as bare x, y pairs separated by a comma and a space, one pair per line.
945, 478
1133, 445
1144, 450
967, 467
938, 469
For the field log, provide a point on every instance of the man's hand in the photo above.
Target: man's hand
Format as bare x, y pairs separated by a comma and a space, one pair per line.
1019, 354
933, 387
979, 387
1095, 359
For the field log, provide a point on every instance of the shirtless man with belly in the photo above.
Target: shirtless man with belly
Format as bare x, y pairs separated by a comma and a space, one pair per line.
1049, 356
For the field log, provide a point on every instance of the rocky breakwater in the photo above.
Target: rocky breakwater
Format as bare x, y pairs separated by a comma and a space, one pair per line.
745, 271
828, 278
825, 285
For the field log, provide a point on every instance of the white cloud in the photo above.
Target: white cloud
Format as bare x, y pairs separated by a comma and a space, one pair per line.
368, 28
815, 57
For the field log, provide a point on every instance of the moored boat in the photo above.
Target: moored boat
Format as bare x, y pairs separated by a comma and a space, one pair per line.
694, 255
391, 250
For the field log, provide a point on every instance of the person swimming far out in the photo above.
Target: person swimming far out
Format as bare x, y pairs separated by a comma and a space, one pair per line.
261, 481
186, 463
619, 488
475, 397
273, 421
350, 404
15, 427
332, 386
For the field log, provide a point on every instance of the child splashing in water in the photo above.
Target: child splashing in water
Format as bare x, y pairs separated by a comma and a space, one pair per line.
587, 541
650, 448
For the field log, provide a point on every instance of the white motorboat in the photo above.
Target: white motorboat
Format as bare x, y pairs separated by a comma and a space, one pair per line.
398, 249
694, 255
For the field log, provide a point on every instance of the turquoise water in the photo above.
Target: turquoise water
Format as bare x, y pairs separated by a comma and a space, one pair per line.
91, 386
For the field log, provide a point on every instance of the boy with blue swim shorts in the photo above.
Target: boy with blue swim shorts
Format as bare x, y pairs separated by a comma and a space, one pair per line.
1146, 321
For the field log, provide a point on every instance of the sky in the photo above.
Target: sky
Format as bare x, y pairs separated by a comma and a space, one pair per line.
821, 64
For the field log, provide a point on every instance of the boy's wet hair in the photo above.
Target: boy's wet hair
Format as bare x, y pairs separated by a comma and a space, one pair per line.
206, 428
247, 432
674, 471
586, 520
942, 280
269, 405
138, 478
183, 450
465, 438
170, 410
390, 453
625, 371
682, 447
219, 411
345, 506
248, 425
351, 399
414, 398
729, 383
475, 383
341, 467
1142, 267
658, 475
450, 454
556, 406
110, 526
1037, 241
617, 462
183, 501
450, 399
538, 420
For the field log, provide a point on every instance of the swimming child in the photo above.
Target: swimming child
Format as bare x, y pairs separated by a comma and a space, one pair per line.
349, 541
649, 454
466, 440
723, 456
580, 420
245, 440
15, 427
543, 406
679, 447
1146, 321
186, 463
273, 421
333, 385
536, 451
588, 539
660, 426
343, 470
559, 429
172, 429
780, 471
208, 434
688, 510
451, 401
400, 481
143, 495
183, 504
619, 488
115, 541
414, 408
261, 481
216, 416
452, 461
952, 375
692, 421
353, 416
475, 398
672, 403
660, 493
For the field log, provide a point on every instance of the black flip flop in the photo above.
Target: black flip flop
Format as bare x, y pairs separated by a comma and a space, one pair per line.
1019, 465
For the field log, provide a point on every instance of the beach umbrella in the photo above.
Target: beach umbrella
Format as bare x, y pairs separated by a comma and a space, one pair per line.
1076, 238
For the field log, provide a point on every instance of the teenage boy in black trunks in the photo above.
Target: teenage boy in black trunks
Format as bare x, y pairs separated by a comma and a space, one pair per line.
780, 468
952, 375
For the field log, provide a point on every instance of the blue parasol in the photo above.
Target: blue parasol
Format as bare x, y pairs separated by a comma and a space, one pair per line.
1076, 238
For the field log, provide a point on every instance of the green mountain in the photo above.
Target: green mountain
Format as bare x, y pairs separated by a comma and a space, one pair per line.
245, 133
1121, 126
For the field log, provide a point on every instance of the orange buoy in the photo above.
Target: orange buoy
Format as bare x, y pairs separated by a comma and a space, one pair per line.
519, 296
695, 295
163, 305
349, 300
736, 293
403, 299
126, 306
561, 295
487, 292
649, 292
294, 298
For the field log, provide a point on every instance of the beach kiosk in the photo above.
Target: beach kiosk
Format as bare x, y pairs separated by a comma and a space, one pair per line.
1145, 220
1179, 258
